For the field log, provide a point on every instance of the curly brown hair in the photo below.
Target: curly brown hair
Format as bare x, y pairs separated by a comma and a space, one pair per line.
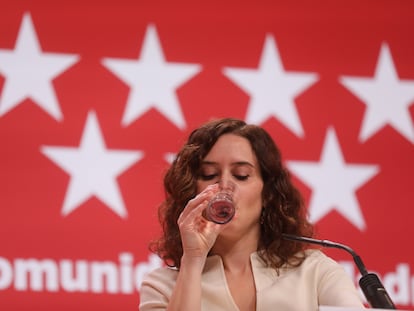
283, 207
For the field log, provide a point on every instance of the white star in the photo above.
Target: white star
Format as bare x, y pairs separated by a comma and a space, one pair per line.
386, 97
170, 157
29, 72
152, 80
272, 89
93, 169
334, 182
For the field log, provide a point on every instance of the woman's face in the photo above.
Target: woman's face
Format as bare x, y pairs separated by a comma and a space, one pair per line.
232, 160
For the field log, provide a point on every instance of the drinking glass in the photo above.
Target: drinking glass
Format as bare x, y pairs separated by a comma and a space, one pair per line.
221, 207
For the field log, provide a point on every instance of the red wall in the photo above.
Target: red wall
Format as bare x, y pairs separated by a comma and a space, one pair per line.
95, 96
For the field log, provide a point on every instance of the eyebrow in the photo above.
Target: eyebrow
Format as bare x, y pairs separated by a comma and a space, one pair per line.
237, 163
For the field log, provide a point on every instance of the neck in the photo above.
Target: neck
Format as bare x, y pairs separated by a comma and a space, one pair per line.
235, 255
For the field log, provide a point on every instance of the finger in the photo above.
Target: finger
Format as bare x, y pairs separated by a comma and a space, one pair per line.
192, 204
197, 211
198, 199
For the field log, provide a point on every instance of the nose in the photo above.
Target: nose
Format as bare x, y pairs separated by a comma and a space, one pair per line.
226, 183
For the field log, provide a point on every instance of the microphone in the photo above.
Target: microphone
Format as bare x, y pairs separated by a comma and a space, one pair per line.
370, 284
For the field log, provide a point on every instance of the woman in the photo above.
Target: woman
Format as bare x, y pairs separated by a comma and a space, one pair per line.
244, 264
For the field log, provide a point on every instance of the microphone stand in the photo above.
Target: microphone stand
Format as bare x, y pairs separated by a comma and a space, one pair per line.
370, 284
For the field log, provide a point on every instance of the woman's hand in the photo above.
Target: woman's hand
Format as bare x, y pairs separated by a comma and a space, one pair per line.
197, 233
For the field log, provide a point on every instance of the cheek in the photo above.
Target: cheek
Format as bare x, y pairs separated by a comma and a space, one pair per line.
252, 198
201, 185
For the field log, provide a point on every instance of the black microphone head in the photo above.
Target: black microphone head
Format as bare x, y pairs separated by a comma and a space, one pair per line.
375, 293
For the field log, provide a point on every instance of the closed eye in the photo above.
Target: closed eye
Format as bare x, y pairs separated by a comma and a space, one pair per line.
208, 177
241, 177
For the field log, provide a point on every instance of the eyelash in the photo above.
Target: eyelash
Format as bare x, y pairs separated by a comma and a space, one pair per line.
210, 177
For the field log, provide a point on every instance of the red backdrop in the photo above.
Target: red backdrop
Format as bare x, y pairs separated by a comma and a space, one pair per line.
96, 96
